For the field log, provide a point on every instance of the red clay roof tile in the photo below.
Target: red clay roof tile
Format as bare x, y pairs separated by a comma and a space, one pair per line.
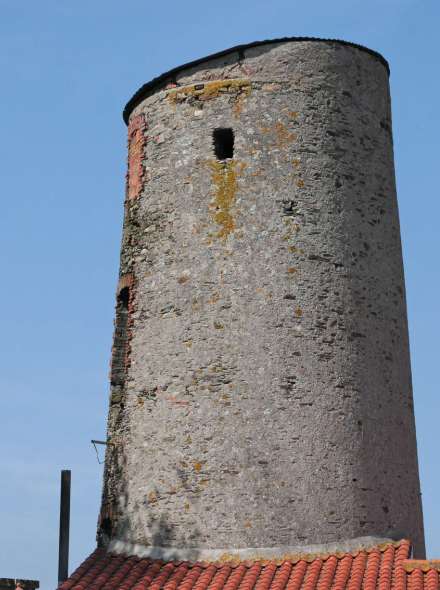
297, 576
381, 568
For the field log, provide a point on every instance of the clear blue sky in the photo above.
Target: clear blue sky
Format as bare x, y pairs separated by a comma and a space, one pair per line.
67, 68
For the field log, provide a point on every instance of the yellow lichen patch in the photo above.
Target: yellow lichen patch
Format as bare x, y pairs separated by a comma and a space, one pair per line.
409, 565
186, 506
224, 178
198, 466
293, 115
292, 270
264, 559
295, 249
300, 183
298, 312
188, 343
208, 90
296, 162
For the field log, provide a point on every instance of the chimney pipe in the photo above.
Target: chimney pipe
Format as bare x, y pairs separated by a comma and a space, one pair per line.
63, 553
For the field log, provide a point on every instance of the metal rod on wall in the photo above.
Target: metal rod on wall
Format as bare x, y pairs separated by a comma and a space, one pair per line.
63, 554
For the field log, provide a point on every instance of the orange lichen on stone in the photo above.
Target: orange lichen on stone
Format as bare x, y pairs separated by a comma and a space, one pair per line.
271, 87
239, 103
208, 90
409, 565
215, 297
283, 136
152, 497
224, 177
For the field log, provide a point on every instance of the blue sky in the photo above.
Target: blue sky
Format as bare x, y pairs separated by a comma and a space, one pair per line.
67, 68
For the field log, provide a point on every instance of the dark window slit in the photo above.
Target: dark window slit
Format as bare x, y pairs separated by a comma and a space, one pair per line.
223, 138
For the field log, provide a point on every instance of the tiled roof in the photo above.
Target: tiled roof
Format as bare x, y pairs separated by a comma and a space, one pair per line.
381, 568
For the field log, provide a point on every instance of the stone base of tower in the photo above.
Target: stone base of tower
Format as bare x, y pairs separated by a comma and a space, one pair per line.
281, 553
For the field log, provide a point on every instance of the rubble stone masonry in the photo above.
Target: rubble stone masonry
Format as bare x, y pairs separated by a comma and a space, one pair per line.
267, 399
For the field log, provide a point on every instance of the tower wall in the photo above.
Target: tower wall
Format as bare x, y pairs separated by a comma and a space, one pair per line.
265, 397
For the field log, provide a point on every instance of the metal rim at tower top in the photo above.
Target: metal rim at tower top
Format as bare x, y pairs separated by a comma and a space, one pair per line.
168, 76
260, 386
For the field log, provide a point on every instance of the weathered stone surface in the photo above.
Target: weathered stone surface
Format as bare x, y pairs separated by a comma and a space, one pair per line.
267, 400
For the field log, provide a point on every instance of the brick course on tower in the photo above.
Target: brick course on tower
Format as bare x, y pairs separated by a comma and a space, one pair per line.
261, 401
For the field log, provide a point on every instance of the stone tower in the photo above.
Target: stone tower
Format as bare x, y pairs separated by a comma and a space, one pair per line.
260, 384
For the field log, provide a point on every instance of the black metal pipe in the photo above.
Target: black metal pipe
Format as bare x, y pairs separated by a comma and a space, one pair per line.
63, 553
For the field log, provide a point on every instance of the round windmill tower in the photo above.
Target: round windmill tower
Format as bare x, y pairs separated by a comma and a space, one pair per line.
260, 385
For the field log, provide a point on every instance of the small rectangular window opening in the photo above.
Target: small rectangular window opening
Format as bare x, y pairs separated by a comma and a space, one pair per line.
124, 298
223, 143
120, 340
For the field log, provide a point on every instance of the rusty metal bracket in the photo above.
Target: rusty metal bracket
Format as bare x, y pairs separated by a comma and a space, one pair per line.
100, 442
